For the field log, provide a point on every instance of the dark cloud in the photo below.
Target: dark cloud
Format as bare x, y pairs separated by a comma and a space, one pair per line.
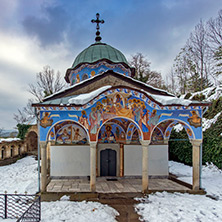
49, 27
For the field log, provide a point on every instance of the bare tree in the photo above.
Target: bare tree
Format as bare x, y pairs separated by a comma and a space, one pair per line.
181, 69
47, 83
215, 31
26, 114
215, 40
199, 51
171, 81
143, 72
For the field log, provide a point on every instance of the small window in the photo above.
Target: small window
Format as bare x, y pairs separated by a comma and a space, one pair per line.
19, 150
12, 151
3, 153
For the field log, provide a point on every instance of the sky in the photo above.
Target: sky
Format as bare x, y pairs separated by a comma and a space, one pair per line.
36, 33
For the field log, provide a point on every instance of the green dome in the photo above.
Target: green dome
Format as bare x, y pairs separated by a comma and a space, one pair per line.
98, 51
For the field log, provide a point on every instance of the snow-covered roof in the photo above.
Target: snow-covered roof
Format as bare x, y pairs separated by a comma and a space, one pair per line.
100, 74
168, 100
9, 139
84, 98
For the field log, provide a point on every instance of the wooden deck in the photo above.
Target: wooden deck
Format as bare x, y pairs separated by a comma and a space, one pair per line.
116, 185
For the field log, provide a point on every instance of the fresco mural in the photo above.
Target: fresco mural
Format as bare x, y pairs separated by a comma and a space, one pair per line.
170, 126
68, 132
46, 120
157, 136
119, 131
124, 104
86, 71
194, 119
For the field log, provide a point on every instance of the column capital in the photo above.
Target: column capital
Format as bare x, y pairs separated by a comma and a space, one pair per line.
196, 142
145, 142
165, 141
42, 144
93, 144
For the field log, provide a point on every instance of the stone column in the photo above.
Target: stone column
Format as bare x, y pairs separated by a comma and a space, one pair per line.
145, 179
196, 163
121, 155
48, 156
93, 166
43, 147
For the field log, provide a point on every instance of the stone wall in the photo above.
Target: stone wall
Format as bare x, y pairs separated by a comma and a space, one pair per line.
11, 149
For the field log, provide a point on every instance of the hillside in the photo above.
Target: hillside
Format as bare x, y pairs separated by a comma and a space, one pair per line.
212, 130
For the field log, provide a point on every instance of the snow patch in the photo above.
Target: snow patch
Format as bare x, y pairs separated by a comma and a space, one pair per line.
178, 127
77, 211
9, 140
86, 97
167, 207
206, 123
21, 176
168, 100
65, 198
210, 93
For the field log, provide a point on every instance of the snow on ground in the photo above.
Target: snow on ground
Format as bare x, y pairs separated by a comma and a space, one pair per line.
77, 211
211, 177
210, 93
185, 207
20, 176
23, 176
168, 207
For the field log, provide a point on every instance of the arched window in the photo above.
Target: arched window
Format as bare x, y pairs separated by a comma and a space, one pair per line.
85, 76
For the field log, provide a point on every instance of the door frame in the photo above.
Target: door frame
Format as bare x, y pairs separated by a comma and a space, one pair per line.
112, 146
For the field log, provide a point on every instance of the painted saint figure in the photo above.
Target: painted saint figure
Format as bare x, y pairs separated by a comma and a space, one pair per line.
108, 136
83, 119
46, 120
194, 119
154, 118
93, 121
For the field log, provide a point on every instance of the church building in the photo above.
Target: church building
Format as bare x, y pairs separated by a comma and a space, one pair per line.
107, 124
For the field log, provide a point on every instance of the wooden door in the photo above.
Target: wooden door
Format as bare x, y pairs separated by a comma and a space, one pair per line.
108, 162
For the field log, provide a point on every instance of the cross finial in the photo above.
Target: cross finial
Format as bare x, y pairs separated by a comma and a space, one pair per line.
97, 21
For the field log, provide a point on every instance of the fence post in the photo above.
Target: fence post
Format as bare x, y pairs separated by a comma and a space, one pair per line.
5, 206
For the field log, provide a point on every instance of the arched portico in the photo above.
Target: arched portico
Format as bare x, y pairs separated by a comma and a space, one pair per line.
64, 136
165, 129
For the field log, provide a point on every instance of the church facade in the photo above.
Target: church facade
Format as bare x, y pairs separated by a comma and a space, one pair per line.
109, 124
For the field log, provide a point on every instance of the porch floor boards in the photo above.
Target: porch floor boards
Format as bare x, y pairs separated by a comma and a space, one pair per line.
122, 185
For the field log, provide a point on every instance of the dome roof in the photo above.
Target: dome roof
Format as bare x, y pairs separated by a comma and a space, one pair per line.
98, 51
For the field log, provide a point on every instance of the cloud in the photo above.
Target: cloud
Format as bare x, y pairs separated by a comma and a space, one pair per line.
49, 27
52, 32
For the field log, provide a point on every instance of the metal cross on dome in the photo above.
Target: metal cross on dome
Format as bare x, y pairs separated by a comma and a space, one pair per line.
97, 21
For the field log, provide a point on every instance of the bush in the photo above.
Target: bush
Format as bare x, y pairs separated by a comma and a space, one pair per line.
181, 151
23, 129
188, 95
